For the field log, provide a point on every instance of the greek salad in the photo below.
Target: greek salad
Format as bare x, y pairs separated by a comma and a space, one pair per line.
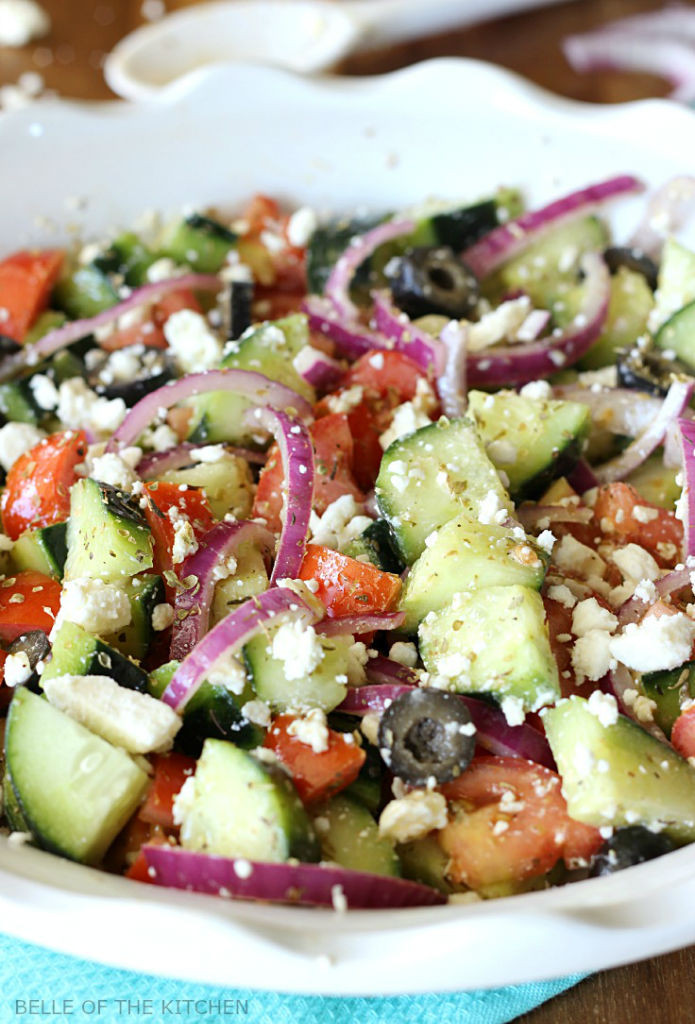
348, 561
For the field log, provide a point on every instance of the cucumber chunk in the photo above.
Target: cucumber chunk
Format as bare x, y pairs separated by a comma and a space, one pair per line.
533, 440
74, 790
349, 836
465, 554
144, 593
199, 241
493, 640
678, 335
668, 689
108, 536
75, 652
429, 477
676, 287
424, 861
238, 806
227, 483
645, 782
43, 550
656, 482
323, 687
17, 402
268, 349
630, 304
85, 292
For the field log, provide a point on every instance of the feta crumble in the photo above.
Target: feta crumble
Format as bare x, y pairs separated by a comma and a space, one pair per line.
298, 647
413, 816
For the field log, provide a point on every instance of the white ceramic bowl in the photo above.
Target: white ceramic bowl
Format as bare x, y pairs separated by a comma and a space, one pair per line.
448, 128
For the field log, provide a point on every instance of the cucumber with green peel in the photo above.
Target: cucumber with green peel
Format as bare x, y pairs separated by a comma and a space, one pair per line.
75, 791
614, 773
465, 554
429, 477
43, 550
376, 543
675, 285
547, 270
108, 536
424, 861
128, 256
75, 652
323, 687
239, 806
677, 335
532, 440
11, 808
227, 483
656, 482
144, 593
270, 349
84, 292
199, 241
669, 689
493, 640
249, 580
17, 402
349, 836
631, 303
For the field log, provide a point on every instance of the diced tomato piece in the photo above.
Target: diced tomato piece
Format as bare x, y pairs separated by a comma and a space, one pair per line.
683, 733
654, 528
170, 773
37, 492
538, 829
28, 601
139, 869
333, 462
386, 372
125, 852
174, 302
26, 281
150, 331
346, 586
191, 503
260, 213
316, 776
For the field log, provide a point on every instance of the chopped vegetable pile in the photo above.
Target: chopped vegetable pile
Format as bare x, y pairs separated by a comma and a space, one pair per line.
350, 563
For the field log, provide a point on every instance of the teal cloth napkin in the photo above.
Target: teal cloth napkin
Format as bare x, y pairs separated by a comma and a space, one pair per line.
66, 990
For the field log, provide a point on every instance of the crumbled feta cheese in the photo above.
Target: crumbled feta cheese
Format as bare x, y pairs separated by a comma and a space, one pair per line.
562, 594
79, 406
160, 438
404, 653
573, 556
15, 440
338, 899
646, 592
298, 647
603, 706
589, 615
17, 668
491, 511
163, 269
413, 816
210, 453
500, 324
185, 541
546, 541
194, 346
21, 21
340, 523
635, 563
513, 710
301, 226
357, 658
312, 730
44, 391
257, 712
643, 707
345, 401
655, 643
592, 656
537, 389
114, 470
162, 617
96, 606
406, 420
135, 721
369, 727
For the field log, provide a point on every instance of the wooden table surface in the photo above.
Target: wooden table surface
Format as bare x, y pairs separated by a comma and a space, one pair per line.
660, 990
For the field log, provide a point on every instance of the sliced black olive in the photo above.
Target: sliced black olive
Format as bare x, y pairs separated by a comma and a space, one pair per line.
427, 734
632, 259
133, 390
36, 646
649, 371
240, 299
8, 346
629, 846
432, 280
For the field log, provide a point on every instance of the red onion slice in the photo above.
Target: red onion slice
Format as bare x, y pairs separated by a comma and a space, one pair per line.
154, 464
297, 454
315, 885
358, 624
582, 478
673, 406
382, 670
229, 635
337, 288
451, 384
192, 607
318, 369
519, 364
63, 336
534, 516
687, 432
634, 609
259, 390
350, 336
621, 411
508, 240
405, 336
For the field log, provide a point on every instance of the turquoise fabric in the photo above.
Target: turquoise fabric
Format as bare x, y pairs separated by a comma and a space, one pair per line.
37, 985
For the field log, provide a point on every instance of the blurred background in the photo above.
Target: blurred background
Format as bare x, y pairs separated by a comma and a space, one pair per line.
69, 57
